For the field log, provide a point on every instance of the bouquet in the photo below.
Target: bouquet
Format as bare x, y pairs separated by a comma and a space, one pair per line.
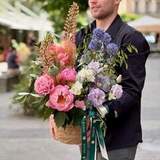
74, 86
57, 78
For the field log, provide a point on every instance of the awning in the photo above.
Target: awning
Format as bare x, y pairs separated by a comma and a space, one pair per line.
146, 24
22, 18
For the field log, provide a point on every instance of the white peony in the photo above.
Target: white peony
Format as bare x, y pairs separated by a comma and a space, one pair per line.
86, 75
76, 88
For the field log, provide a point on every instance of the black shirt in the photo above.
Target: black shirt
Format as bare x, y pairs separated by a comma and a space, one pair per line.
125, 130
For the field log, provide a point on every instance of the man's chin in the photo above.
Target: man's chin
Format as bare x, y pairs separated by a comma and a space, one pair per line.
98, 17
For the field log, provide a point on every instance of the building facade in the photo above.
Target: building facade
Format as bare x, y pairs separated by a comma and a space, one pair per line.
149, 7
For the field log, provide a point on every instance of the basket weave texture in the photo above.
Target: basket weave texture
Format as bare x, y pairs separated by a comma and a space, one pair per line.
69, 135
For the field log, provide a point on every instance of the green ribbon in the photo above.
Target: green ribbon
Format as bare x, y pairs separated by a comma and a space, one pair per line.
84, 138
96, 137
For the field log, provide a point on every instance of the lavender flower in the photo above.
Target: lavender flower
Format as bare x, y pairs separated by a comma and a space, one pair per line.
117, 91
112, 49
98, 34
95, 45
95, 66
103, 82
106, 39
96, 96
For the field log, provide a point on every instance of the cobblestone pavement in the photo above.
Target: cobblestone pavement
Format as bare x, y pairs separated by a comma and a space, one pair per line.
27, 138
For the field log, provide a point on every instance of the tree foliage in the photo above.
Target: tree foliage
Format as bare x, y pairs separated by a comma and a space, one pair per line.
129, 17
57, 10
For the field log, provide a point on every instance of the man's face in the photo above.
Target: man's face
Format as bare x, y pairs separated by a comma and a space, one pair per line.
101, 9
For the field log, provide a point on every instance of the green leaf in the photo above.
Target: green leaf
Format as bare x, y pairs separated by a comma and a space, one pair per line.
18, 98
77, 116
61, 118
33, 75
47, 112
129, 49
134, 48
35, 95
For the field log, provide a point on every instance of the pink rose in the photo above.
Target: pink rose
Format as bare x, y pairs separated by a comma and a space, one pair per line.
61, 99
68, 74
44, 84
80, 104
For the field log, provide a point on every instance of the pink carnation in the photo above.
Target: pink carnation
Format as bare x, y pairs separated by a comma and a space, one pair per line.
44, 85
80, 104
61, 99
68, 74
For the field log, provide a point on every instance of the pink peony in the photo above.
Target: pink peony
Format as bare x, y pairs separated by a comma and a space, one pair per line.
68, 74
61, 99
44, 85
80, 104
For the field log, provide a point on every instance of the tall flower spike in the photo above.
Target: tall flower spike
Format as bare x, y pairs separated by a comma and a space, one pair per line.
71, 23
45, 58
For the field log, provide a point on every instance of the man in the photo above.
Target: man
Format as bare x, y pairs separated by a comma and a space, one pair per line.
12, 61
123, 118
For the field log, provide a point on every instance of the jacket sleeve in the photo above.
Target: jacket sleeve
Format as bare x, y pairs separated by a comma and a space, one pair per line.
133, 77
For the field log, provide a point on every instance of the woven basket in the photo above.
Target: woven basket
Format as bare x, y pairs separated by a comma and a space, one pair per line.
69, 135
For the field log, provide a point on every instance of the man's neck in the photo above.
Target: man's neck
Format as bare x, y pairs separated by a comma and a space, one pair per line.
105, 23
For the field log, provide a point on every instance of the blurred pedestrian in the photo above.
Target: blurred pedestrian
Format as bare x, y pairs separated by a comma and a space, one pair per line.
12, 62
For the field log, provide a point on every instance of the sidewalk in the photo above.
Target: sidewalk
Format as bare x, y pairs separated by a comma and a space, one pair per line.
27, 138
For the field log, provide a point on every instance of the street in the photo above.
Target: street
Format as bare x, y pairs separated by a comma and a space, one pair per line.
27, 138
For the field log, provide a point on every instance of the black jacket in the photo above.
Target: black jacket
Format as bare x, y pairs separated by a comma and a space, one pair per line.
125, 130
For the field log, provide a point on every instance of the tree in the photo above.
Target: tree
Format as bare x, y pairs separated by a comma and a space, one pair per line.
57, 10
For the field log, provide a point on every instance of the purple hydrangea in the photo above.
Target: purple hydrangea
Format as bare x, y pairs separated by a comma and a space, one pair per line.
96, 96
106, 39
98, 34
103, 82
111, 49
95, 66
95, 45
